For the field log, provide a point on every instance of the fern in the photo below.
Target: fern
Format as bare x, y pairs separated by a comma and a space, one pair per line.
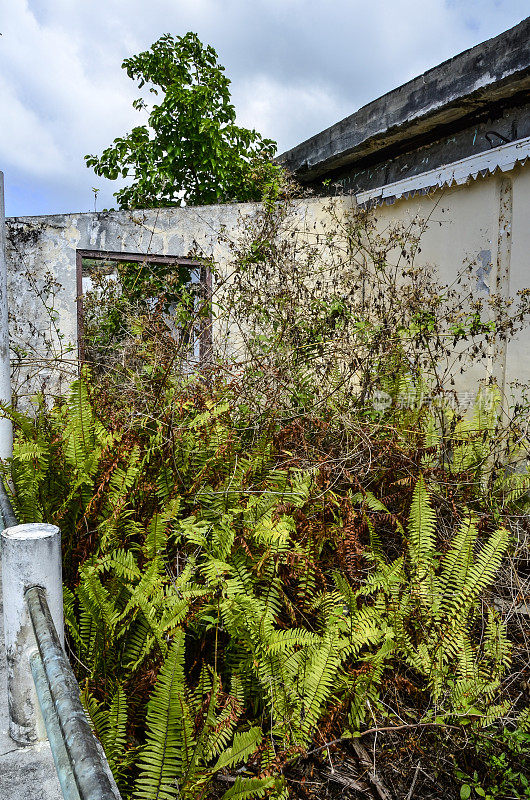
169, 731
243, 746
421, 530
246, 788
431, 612
114, 739
205, 552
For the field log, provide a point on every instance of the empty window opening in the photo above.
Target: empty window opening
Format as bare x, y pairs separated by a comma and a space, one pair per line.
114, 288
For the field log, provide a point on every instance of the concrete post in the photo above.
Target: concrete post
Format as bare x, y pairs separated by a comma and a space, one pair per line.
6, 426
31, 556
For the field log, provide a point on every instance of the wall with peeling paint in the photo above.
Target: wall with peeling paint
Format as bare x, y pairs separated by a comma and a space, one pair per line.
483, 225
41, 255
518, 356
41, 259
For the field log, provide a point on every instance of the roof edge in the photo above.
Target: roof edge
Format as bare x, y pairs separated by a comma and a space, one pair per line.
493, 71
504, 158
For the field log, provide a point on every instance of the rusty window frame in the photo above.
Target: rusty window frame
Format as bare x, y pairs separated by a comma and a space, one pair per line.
205, 279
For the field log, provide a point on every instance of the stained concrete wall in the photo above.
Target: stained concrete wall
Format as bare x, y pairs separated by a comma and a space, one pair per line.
41, 254
518, 273
41, 260
483, 224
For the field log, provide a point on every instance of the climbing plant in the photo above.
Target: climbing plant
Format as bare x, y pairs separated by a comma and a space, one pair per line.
263, 562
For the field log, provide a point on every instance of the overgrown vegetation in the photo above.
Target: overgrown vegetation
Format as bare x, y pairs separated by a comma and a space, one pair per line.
298, 571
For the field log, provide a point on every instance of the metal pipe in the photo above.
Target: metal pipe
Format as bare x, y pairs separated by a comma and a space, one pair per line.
31, 555
92, 774
53, 729
6, 425
6, 509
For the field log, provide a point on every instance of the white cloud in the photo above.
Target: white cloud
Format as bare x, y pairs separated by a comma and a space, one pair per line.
297, 66
276, 109
24, 142
56, 107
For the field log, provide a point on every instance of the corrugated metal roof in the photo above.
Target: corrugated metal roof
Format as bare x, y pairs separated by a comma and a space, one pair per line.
503, 158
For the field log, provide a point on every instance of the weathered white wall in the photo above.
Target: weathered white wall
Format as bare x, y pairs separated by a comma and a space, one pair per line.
484, 223
518, 356
41, 256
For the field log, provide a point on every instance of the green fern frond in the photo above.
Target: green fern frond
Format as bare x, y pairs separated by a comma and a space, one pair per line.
456, 564
168, 731
484, 568
247, 788
421, 528
156, 538
115, 738
243, 746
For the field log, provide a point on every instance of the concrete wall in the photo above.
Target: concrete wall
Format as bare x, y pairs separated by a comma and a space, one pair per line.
484, 224
41, 254
41, 262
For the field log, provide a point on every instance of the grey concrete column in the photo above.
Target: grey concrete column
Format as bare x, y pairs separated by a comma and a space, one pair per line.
6, 426
31, 556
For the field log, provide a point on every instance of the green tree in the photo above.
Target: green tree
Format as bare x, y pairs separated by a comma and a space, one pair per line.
191, 151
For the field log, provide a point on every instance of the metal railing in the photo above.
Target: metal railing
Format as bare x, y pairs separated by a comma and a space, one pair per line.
42, 687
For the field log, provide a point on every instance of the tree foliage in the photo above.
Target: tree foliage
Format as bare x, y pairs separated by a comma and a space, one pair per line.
191, 151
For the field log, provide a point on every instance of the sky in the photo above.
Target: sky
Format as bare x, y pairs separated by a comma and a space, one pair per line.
296, 66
